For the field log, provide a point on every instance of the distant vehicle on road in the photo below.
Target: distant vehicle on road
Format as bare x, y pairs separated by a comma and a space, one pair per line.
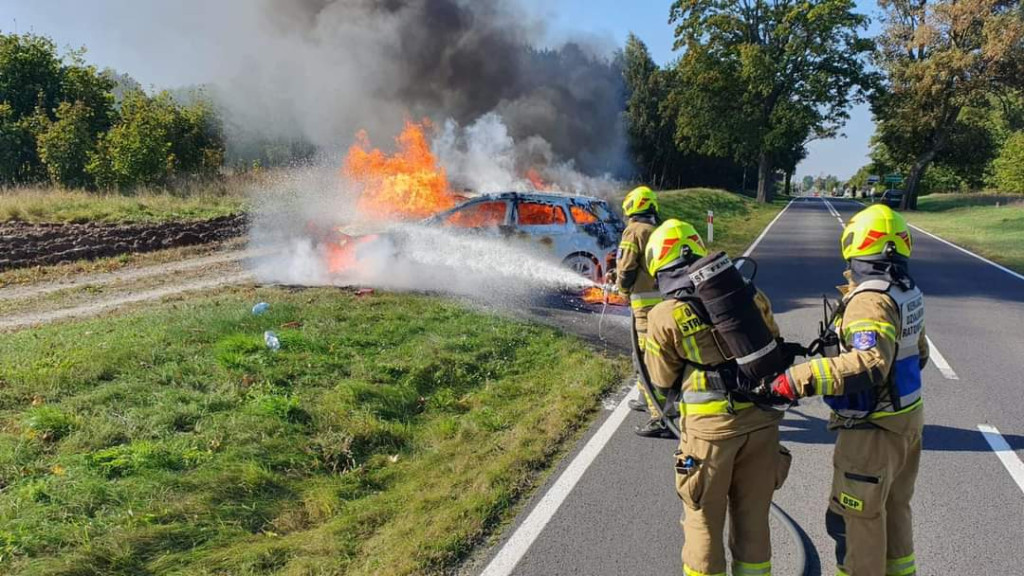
891, 198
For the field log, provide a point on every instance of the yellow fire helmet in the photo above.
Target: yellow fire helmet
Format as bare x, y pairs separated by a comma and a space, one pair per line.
876, 233
674, 242
639, 200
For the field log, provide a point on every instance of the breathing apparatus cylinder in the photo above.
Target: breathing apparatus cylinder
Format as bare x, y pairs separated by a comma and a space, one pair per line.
729, 301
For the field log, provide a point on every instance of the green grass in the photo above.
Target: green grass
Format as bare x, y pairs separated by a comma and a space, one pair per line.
990, 224
388, 435
59, 205
738, 219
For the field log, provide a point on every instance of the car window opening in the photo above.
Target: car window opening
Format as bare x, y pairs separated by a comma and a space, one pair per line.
481, 215
536, 214
582, 216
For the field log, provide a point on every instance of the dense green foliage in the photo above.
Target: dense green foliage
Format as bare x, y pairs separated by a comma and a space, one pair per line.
60, 122
387, 436
1009, 165
946, 64
651, 126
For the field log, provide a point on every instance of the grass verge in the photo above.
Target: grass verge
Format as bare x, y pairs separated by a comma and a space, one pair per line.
77, 206
387, 436
738, 219
990, 224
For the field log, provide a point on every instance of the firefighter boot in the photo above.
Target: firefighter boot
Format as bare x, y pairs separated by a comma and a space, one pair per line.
869, 513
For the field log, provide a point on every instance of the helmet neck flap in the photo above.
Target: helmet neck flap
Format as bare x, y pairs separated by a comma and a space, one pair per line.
895, 269
675, 282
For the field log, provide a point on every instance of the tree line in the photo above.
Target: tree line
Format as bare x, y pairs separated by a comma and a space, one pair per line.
64, 122
756, 81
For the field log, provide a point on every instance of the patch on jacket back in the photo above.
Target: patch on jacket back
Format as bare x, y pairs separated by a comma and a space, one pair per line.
865, 340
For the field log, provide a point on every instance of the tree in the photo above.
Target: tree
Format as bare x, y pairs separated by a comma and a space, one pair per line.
760, 78
136, 150
807, 183
941, 57
15, 139
1009, 165
644, 123
65, 145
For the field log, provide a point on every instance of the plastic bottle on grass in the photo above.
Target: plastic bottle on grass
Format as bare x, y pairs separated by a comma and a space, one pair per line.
260, 308
271, 341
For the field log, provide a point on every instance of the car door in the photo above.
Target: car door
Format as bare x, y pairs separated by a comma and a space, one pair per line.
543, 222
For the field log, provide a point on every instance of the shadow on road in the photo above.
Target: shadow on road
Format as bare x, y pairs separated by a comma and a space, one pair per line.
806, 429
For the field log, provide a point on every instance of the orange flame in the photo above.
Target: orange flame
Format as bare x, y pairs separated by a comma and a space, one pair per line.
595, 295
536, 181
406, 185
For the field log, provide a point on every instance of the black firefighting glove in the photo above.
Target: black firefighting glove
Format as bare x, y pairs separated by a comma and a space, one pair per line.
790, 350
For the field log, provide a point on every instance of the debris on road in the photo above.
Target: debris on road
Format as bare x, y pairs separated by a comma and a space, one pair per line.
364, 292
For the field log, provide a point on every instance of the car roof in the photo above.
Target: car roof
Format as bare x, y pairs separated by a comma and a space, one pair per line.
539, 196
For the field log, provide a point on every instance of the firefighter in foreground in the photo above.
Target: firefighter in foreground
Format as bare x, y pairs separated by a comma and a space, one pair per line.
874, 389
633, 280
729, 457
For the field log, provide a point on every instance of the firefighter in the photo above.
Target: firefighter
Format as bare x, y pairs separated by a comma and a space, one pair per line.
873, 387
633, 280
727, 443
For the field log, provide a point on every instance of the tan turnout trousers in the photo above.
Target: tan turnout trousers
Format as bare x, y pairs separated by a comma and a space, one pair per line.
869, 510
730, 479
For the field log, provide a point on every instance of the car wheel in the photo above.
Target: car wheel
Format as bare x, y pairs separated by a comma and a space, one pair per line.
584, 265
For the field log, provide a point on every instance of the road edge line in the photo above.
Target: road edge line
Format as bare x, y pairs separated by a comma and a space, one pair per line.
753, 246
940, 360
524, 536
1004, 452
969, 253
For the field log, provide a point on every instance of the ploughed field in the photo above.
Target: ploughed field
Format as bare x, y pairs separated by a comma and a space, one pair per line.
25, 244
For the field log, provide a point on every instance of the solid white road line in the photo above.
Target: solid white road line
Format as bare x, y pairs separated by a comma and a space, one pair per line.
1005, 453
833, 211
757, 241
940, 361
514, 550
968, 252
527, 532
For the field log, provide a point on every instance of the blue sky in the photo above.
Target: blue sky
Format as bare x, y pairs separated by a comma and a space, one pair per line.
126, 44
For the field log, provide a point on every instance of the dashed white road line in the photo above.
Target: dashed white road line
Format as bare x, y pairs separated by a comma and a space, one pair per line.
969, 253
1004, 452
527, 532
940, 361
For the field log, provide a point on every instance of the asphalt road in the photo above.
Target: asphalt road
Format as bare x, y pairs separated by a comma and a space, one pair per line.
611, 509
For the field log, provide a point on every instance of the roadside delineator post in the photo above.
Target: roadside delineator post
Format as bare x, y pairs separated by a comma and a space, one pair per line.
711, 226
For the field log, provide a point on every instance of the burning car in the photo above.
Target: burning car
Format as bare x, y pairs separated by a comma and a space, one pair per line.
579, 231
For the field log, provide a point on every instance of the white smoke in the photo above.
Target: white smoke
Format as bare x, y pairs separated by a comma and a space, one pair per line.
483, 157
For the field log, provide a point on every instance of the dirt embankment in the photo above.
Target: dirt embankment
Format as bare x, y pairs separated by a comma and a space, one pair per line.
23, 244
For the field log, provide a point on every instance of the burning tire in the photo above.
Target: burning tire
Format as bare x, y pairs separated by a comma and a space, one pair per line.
585, 265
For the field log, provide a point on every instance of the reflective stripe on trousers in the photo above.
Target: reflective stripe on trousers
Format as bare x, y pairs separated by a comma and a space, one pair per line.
687, 571
748, 569
901, 566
